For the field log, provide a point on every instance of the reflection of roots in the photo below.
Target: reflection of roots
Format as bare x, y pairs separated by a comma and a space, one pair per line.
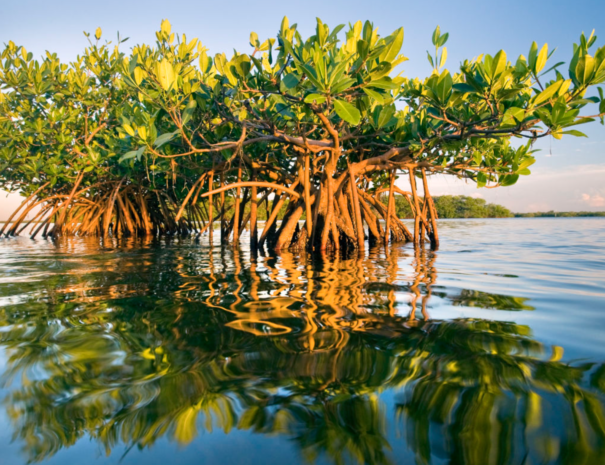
259, 327
338, 298
332, 337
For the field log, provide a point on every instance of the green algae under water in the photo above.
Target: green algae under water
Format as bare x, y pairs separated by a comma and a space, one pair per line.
488, 351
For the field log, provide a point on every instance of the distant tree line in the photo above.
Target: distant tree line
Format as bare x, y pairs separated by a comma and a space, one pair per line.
456, 206
552, 214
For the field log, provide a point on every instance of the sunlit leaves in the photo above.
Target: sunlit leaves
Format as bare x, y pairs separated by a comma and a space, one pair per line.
315, 98
165, 74
347, 112
165, 27
393, 47
585, 69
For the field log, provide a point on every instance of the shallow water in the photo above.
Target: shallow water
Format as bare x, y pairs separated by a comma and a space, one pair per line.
489, 351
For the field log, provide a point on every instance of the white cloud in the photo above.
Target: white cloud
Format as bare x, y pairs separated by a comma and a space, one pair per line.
595, 200
547, 188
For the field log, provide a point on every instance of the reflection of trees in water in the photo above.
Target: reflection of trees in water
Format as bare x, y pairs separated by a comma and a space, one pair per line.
136, 344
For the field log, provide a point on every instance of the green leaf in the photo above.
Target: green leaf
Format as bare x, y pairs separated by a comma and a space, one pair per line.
584, 69
481, 179
362, 49
553, 67
285, 25
165, 27
526, 163
140, 152
312, 76
189, 110
508, 179
547, 93
373, 95
139, 74
165, 74
436, 35
444, 86
383, 68
347, 112
385, 116
290, 80
254, 42
383, 83
205, 62
394, 47
342, 85
164, 138
512, 116
463, 87
430, 58
499, 64
533, 55
541, 60
443, 58
573, 132
128, 156
315, 98
129, 130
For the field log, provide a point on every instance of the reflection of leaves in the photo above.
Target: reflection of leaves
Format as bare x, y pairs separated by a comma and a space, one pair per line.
470, 298
139, 351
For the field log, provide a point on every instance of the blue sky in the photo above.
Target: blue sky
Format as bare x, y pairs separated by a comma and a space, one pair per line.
569, 174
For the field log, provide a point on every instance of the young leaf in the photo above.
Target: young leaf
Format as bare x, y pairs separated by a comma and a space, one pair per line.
139, 74
165, 27
533, 55
573, 132
254, 42
443, 57
165, 74
436, 35
541, 60
443, 39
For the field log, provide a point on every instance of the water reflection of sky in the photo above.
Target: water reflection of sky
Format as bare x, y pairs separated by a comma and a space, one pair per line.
493, 341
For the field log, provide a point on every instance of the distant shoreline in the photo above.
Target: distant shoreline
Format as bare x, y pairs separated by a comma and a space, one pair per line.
560, 215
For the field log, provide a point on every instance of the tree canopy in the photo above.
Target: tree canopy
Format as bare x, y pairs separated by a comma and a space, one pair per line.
143, 141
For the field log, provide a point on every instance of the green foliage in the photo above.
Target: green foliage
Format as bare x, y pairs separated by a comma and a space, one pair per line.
157, 117
459, 206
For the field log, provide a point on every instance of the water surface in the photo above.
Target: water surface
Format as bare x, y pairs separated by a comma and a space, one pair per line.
488, 351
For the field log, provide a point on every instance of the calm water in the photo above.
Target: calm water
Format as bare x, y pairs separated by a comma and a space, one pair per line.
489, 351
